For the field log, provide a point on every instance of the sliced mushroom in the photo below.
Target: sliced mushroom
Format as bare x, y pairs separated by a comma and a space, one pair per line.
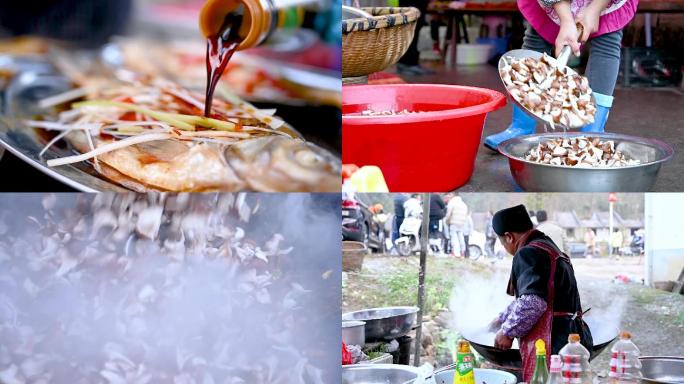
579, 152
527, 77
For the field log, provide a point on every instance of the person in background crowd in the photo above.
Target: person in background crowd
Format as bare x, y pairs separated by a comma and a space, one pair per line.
589, 242
616, 241
457, 213
87, 23
409, 64
413, 206
467, 230
437, 212
490, 236
435, 22
380, 218
399, 200
552, 230
445, 226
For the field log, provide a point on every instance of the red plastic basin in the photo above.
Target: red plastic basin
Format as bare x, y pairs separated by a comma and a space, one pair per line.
431, 151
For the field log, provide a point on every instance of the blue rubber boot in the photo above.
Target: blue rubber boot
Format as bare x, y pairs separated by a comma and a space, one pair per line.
603, 104
522, 124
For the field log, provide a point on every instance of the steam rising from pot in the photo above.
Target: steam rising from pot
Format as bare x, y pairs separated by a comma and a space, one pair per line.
202, 288
476, 301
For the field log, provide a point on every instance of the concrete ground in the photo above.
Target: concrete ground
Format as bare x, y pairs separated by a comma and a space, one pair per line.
646, 112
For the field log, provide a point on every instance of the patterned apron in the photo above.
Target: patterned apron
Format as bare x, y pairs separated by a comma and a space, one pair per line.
541, 330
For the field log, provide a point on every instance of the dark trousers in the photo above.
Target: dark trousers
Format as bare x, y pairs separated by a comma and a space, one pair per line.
434, 226
395, 227
434, 29
411, 56
489, 245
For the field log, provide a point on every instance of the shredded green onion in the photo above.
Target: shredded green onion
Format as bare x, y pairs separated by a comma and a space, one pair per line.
202, 121
130, 129
180, 121
160, 116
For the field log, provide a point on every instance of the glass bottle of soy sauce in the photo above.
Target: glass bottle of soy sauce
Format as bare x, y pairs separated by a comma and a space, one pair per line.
254, 20
233, 25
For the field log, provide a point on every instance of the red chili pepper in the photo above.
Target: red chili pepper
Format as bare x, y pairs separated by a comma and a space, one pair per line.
128, 116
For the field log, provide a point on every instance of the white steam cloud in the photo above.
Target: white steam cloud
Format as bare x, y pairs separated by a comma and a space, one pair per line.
182, 289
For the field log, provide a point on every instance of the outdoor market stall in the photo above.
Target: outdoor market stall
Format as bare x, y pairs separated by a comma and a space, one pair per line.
426, 137
497, 362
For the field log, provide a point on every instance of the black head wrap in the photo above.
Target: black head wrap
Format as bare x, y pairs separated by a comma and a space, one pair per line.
513, 219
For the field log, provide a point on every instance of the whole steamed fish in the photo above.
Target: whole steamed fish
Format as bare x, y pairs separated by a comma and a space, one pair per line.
149, 134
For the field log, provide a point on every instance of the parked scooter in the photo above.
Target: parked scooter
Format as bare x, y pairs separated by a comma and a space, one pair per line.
409, 236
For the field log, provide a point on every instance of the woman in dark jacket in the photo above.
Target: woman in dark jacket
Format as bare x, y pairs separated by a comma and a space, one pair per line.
547, 303
437, 211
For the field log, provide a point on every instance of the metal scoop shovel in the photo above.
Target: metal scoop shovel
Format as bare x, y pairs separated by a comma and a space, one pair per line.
561, 62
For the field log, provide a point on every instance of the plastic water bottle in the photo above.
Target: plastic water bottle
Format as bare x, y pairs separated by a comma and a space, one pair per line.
555, 372
575, 368
625, 366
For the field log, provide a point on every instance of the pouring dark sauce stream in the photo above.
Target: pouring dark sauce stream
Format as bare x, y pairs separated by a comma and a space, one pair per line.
220, 48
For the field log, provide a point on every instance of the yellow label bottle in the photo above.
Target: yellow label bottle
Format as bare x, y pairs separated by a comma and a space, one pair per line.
465, 362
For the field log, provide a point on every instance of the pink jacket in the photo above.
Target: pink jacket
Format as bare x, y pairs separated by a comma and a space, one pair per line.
546, 22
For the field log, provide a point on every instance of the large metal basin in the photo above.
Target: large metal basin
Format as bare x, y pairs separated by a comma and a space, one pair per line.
385, 323
378, 374
483, 343
662, 369
534, 177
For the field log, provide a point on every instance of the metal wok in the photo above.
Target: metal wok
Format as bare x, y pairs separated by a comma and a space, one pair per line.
484, 345
385, 323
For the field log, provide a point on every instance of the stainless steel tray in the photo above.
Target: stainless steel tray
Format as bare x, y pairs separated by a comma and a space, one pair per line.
36, 80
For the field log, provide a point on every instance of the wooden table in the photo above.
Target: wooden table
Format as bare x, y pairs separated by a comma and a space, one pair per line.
454, 16
661, 6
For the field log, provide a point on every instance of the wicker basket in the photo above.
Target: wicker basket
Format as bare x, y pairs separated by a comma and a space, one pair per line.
372, 44
353, 253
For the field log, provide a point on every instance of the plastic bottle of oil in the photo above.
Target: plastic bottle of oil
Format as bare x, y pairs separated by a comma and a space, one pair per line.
465, 360
575, 362
625, 366
254, 20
